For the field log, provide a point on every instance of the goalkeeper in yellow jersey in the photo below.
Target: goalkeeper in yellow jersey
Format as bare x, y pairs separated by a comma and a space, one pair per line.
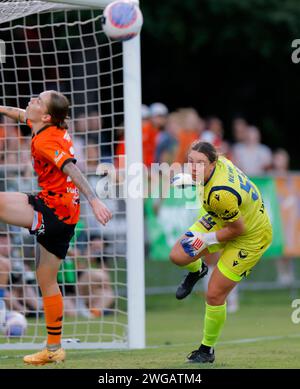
233, 219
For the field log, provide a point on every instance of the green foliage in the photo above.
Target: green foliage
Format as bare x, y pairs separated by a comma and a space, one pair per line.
264, 26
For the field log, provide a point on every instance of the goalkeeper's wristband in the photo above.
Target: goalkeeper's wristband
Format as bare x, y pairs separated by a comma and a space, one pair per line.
210, 238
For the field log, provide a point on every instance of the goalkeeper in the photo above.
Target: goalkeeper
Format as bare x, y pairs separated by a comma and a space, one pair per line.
233, 219
52, 214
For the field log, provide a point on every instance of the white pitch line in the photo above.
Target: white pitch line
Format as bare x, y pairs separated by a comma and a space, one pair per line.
234, 341
259, 339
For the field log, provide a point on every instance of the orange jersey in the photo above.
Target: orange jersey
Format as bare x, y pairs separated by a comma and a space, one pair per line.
51, 148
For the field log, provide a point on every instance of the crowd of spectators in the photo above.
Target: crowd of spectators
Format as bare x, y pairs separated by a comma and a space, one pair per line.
167, 137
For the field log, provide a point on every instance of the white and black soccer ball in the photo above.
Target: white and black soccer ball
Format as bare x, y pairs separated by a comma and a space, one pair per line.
122, 20
15, 324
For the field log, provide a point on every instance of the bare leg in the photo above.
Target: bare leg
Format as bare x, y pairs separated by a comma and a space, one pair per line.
47, 266
15, 209
219, 287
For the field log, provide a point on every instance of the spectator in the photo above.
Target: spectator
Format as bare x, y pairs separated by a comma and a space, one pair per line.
281, 161
101, 137
119, 160
192, 127
145, 114
4, 277
252, 157
151, 128
80, 140
239, 129
166, 145
9, 142
92, 157
20, 294
93, 295
285, 265
149, 134
215, 135
215, 125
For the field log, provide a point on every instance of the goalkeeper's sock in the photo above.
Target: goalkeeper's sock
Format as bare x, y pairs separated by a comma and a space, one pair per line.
214, 320
194, 266
53, 307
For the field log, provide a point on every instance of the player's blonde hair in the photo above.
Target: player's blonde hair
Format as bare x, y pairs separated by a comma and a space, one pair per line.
58, 108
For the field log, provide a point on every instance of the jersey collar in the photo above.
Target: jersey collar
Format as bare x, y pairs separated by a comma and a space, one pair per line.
211, 174
42, 129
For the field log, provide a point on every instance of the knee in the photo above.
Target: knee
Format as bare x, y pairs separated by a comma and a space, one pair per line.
214, 298
175, 257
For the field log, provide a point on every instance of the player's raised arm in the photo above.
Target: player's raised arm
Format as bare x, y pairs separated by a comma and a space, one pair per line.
101, 212
13, 113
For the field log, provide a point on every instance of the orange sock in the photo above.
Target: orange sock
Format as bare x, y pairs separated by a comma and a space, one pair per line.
53, 308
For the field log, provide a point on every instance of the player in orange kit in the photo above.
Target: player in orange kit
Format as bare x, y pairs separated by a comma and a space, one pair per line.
52, 214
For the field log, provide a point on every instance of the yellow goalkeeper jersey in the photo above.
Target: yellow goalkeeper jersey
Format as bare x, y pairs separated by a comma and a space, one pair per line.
229, 195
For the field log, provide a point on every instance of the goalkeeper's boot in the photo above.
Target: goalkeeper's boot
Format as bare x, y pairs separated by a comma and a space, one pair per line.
204, 354
45, 356
186, 286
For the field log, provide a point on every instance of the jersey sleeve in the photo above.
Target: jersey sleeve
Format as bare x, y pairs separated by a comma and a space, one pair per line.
225, 205
55, 152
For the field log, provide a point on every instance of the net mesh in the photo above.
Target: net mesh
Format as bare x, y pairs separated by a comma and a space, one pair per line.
14, 9
67, 51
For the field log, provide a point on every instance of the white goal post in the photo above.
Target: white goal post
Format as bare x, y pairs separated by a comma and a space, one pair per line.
129, 322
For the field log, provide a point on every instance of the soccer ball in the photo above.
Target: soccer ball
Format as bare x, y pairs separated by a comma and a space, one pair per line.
122, 20
15, 324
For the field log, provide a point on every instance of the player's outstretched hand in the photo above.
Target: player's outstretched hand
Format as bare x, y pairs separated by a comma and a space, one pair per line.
101, 212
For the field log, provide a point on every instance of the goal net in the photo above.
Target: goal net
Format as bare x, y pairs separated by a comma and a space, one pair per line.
55, 46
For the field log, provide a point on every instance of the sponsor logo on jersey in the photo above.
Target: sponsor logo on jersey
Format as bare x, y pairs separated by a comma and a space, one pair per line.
207, 222
243, 254
72, 190
59, 156
246, 273
229, 215
67, 136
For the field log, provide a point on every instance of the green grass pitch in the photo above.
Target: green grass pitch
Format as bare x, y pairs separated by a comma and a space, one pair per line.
260, 335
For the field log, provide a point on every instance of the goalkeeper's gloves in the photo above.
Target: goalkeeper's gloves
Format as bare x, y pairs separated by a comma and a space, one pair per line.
195, 242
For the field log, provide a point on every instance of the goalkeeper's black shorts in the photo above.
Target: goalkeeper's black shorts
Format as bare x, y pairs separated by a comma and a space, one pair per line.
53, 234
